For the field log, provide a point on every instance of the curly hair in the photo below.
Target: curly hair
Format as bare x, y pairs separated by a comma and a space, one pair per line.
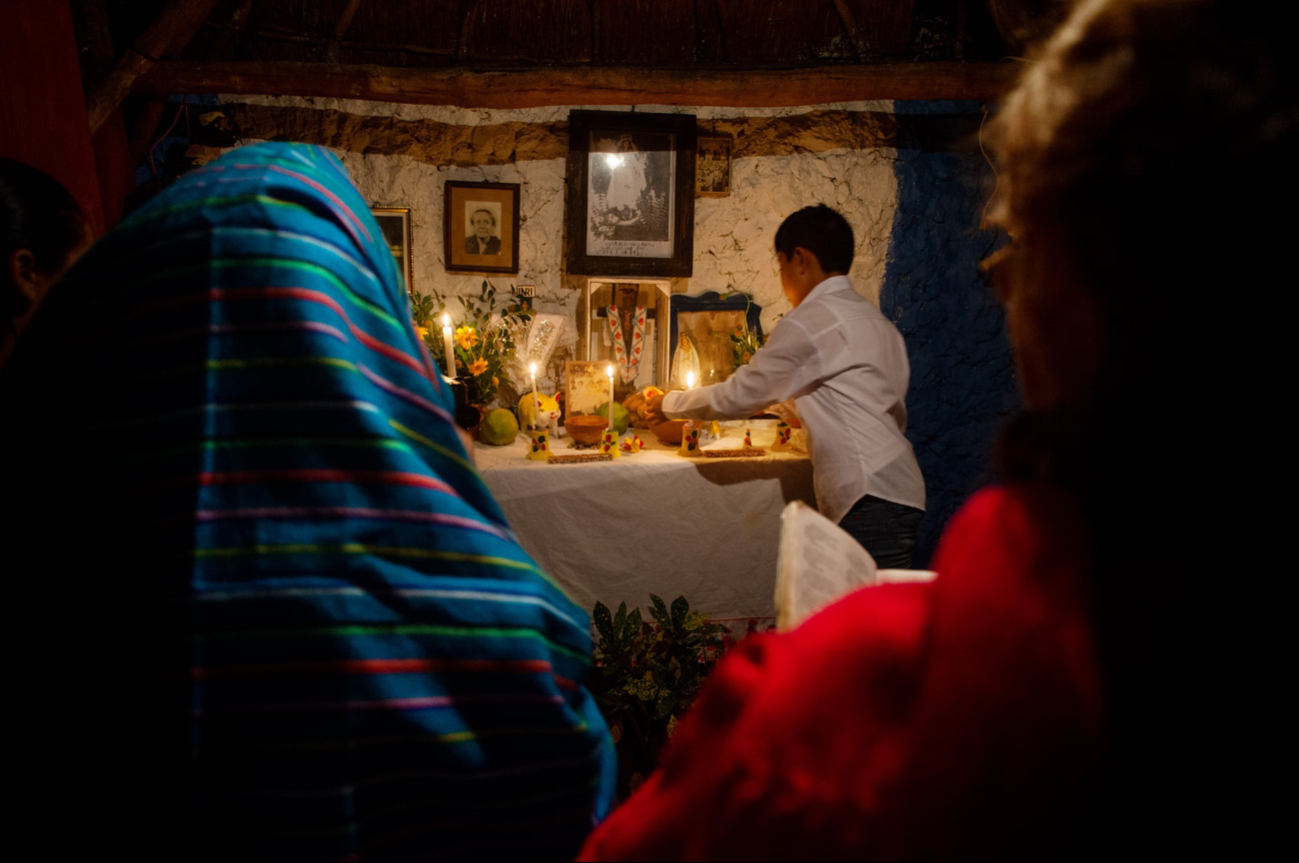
1157, 141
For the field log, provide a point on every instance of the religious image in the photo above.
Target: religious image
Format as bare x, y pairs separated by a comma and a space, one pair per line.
629, 211
704, 346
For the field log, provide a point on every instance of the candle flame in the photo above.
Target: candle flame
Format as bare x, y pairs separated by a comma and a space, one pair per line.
533, 369
690, 380
446, 320
608, 370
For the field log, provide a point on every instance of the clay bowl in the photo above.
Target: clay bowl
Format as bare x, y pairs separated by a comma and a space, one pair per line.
669, 433
585, 429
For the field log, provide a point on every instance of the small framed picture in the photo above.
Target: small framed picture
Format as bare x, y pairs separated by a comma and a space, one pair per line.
395, 223
586, 386
482, 227
713, 173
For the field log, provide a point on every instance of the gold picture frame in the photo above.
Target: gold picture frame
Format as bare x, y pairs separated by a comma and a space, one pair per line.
399, 234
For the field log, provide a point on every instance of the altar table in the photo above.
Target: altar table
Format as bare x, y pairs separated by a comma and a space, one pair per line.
652, 522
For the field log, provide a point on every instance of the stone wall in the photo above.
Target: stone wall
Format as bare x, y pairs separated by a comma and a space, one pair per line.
402, 155
962, 377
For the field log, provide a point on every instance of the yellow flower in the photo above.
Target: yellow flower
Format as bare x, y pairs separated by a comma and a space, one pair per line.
466, 337
423, 332
477, 367
495, 381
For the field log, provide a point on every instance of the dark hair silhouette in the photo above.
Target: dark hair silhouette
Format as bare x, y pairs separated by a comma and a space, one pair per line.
37, 214
823, 232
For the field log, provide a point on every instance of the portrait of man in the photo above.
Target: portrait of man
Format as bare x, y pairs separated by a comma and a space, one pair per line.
482, 236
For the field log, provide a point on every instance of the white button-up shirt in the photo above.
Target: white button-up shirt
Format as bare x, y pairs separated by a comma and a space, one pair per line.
845, 367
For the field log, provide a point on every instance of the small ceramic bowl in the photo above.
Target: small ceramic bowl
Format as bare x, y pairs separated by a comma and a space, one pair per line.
669, 433
585, 429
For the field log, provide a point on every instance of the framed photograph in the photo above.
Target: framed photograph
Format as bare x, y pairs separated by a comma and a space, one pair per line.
481, 223
621, 321
586, 386
713, 172
398, 234
701, 330
631, 203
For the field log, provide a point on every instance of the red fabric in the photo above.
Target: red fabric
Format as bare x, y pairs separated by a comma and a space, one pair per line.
960, 718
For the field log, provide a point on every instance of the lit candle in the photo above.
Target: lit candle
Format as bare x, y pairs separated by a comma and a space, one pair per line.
449, 346
690, 380
609, 369
536, 405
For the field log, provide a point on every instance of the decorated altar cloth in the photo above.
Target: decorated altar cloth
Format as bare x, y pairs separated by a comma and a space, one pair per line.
653, 522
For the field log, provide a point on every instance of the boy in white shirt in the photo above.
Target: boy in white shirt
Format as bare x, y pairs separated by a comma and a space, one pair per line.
844, 366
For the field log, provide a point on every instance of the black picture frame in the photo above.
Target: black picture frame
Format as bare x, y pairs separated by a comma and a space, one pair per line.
631, 194
461, 201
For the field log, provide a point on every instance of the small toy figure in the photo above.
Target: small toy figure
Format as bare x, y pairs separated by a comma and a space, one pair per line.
631, 444
748, 438
609, 443
690, 440
540, 447
783, 433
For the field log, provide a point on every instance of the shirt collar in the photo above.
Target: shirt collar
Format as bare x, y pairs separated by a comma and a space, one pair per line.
834, 283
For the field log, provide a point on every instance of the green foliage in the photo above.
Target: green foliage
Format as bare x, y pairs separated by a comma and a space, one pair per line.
744, 342
647, 675
484, 341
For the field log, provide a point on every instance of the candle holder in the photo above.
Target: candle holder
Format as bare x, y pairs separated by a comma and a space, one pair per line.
783, 433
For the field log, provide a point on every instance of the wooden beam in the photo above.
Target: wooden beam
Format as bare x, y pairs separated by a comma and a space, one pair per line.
587, 85
336, 39
177, 23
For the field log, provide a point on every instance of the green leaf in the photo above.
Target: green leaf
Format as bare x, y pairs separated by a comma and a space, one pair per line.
602, 621
660, 611
679, 610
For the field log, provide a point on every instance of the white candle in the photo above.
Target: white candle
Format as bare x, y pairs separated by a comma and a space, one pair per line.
449, 346
609, 369
536, 405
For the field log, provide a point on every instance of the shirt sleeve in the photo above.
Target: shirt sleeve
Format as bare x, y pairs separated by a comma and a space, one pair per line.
785, 367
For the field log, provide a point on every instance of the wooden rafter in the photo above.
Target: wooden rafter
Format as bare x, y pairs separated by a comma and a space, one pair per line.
608, 85
336, 38
173, 29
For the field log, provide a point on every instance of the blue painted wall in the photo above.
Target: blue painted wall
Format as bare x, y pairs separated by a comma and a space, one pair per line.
962, 378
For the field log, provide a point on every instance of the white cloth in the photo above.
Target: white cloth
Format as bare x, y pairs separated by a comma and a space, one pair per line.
654, 522
845, 366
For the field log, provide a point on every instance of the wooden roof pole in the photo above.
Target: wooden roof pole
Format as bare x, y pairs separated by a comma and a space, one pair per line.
336, 39
589, 85
177, 24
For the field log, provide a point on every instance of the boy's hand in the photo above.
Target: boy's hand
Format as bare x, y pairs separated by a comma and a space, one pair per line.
654, 409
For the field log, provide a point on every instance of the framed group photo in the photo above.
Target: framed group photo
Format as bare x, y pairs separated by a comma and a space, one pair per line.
395, 223
631, 208
481, 222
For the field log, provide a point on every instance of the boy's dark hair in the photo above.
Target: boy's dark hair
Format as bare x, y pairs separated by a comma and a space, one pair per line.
823, 232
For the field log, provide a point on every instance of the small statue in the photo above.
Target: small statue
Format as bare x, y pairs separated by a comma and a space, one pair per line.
748, 438
631, 444
540, 447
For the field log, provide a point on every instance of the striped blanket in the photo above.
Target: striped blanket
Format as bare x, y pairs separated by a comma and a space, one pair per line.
301, 626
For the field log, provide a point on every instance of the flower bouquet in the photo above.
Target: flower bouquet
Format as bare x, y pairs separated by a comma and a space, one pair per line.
482, 336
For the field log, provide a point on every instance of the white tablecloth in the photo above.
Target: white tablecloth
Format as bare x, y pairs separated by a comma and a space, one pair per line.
654, 522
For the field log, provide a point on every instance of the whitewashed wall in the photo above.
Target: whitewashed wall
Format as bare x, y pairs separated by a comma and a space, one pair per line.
733, 235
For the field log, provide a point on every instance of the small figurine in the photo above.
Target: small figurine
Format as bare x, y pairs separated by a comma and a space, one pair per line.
540, 447
549, 406
632, 444
609, 443
748, 438
690, 440
783, 433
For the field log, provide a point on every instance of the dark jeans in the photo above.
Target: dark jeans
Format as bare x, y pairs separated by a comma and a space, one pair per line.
884, 528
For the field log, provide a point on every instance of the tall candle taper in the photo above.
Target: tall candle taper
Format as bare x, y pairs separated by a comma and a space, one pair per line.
449, 346
536, 405
609, 369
